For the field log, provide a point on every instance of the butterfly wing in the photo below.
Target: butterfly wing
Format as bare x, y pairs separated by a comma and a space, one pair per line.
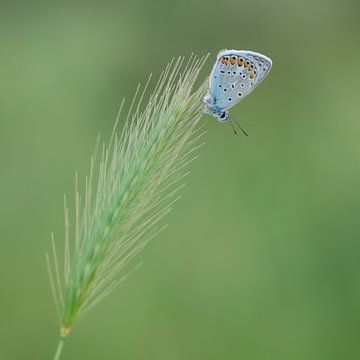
262, 63
235, 75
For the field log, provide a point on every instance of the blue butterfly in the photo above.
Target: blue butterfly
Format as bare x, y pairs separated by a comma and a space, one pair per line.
235, 75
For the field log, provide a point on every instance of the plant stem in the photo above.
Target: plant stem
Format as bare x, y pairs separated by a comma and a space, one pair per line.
59, 348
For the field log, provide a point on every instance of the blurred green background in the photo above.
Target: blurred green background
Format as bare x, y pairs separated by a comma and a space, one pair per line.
261, 256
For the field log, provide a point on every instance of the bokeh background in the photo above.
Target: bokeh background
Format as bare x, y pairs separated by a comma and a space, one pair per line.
261, 256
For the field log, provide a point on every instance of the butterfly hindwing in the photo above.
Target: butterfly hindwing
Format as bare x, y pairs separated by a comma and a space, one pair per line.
262, 63
235, 75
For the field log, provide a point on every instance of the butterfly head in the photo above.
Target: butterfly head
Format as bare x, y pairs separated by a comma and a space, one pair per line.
214, 110
223, 116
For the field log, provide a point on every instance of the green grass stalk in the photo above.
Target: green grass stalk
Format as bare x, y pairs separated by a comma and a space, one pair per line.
131, 186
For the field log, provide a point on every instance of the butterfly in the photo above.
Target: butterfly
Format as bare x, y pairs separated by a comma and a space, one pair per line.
235, 75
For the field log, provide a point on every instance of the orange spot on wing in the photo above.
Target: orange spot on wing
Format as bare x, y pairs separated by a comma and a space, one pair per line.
233, 60
252, 75
241, 62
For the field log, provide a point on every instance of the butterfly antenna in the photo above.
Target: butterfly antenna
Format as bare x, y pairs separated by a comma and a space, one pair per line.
237, 123
232, 125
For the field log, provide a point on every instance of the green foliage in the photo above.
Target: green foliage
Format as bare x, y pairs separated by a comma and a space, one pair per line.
129, 189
